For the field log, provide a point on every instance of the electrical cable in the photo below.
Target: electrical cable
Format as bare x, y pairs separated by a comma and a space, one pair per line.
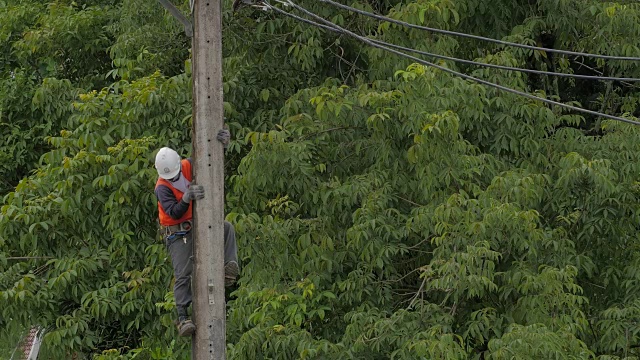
453, 72
476, 37
470, 62
508, 68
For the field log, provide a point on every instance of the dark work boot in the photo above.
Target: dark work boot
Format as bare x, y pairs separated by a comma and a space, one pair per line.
185, 325
231, 271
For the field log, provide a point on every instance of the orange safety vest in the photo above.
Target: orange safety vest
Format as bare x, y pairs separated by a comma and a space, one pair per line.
165, 219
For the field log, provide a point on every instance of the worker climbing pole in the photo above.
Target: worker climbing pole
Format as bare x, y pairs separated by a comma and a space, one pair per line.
207, 233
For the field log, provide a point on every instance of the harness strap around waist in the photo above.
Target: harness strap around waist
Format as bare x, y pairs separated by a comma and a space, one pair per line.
168, 230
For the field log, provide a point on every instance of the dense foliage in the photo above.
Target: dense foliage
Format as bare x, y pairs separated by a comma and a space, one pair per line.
383, 209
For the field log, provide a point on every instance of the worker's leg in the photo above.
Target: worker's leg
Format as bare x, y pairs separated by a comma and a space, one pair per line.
181, 252
231, 267
230, 246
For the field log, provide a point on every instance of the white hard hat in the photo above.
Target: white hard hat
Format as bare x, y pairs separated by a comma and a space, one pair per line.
167, 163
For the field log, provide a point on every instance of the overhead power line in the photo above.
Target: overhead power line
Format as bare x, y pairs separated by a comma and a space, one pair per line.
475, 63
476, 37
427, 63
509, 68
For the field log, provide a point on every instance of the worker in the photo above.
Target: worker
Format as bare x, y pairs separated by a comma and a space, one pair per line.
176, 192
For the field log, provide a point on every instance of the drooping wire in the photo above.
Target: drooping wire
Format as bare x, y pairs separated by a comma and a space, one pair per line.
509, 68
476, 37
427, 63
475, 63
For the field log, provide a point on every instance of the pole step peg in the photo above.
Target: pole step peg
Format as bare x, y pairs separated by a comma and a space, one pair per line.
211, 288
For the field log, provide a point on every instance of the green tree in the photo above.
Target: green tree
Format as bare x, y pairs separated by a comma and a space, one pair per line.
384, 209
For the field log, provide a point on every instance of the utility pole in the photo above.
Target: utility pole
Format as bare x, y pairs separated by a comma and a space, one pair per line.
209, 314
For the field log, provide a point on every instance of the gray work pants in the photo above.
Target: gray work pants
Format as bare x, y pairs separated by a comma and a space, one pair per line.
181, 251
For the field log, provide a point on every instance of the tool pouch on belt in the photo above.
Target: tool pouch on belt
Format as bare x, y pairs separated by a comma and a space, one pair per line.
167, 231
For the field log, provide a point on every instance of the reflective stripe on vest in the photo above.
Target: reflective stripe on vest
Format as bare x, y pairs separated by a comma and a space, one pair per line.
165, 219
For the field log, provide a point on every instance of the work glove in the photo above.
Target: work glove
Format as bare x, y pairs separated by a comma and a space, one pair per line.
195, 192
224, 136
238, 4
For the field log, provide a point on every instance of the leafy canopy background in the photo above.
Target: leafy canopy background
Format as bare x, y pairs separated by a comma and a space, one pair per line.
384, 209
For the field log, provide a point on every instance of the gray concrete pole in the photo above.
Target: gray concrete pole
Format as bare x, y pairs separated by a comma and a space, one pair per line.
209, 340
